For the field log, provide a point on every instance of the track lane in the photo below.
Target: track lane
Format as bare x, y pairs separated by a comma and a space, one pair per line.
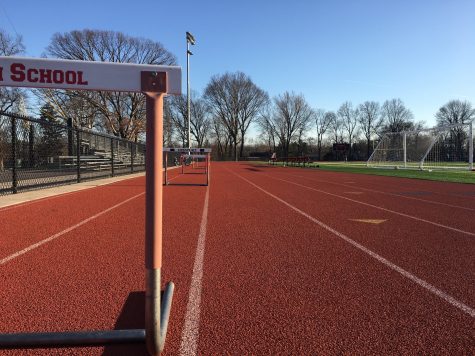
275, 283
31, 223
93, 277
443, 258
445, 192
409, 195
450, 218
272, 284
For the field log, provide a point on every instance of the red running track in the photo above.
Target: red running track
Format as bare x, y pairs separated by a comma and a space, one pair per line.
266, 261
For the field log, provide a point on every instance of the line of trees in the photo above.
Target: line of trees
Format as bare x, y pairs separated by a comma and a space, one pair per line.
223, 114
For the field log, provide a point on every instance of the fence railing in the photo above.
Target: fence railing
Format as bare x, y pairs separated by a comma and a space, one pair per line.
36, 154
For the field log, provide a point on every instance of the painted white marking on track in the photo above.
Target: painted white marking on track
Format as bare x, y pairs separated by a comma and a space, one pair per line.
71, 228
378, 207
388, 193
429, 287
191, 331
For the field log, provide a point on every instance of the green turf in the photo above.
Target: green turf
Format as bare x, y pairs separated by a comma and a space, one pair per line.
360, 168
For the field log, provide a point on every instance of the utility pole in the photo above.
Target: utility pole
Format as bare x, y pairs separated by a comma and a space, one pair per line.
189, 40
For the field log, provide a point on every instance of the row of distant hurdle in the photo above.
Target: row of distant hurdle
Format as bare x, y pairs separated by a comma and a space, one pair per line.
189, 156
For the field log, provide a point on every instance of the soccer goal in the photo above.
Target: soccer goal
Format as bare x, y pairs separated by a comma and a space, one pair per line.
442, 147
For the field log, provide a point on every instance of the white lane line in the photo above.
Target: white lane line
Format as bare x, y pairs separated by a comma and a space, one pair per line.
386, 193
378, 207
176, 176
191, 332
434, 290
71, 228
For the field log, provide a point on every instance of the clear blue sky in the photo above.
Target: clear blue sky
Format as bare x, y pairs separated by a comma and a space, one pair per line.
422, 51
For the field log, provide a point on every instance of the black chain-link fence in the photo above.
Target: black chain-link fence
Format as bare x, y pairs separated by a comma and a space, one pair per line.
37, 154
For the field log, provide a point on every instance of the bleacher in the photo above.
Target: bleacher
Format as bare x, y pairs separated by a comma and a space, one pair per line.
100, 160
291, 161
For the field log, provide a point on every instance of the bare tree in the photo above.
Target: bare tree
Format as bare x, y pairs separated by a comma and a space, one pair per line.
456, 112
349, 116
370, 121
236, 100
396, 116
291, 115
200, 121
322, 124
168, 126
336, 126
267, 129
69, 104
122, 114
177, 112
10, 98
199, 118
221, 136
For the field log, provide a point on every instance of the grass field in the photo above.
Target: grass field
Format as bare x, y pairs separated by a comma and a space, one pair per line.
360, 168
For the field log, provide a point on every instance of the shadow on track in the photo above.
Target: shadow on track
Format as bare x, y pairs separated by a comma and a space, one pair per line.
132, 316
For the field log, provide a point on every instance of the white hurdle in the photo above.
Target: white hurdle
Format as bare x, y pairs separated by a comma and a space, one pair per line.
154, 82
203, 153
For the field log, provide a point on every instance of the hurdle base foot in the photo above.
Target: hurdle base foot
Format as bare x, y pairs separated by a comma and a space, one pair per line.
91, 338
71, 339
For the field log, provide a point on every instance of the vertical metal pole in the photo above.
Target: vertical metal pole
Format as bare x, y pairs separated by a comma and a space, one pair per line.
31, 145
166, 168
131, 157
405, 149
70, 136
470, 147
112, 157
78, 155
188, 90
207, 168
14, 172
153, 221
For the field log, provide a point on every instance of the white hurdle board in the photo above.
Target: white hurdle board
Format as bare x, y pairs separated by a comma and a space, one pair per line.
187, 150
81, 75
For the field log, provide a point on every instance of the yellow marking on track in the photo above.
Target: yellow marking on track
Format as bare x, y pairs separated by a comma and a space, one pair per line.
370, 221
353, 192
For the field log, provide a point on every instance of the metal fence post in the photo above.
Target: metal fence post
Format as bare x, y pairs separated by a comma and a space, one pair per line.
131, 157
70, 136
31, 145
78, 155
14, 172
112, 156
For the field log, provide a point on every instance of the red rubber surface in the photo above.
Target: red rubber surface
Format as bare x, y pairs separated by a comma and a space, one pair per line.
274, 281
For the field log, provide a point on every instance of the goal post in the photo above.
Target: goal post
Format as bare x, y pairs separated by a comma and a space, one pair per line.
470, 152
440, 147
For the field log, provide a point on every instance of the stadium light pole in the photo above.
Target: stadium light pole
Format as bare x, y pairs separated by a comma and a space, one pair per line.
189, 40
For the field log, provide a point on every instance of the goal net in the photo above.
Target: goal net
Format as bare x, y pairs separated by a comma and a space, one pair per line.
442, 147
